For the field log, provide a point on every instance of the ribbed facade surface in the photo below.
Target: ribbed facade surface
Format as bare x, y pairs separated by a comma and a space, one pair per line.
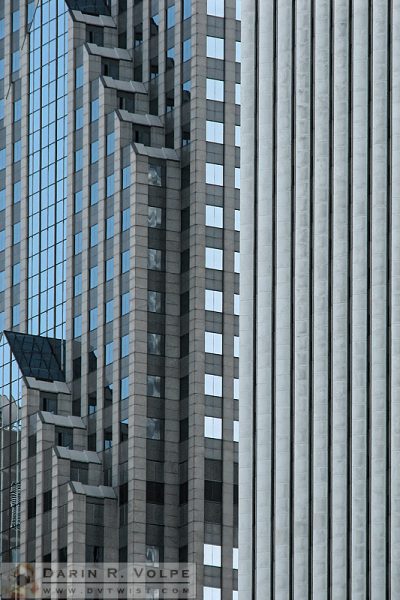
119, 284
320, 336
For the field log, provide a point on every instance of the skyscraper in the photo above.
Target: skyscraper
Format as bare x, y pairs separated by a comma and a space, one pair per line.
119, 283
319, 469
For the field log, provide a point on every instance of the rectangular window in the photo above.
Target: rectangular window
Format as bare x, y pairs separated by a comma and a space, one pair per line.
155, 175
78, 199
238, 52
154, 259
153, 429
236, 389
79, 118
235, 558
94, 193
78, 243
94, 110
155, 217
236, 303
187, 50
213, 428
215, 90
126, 177
47, 501
213, 385
213, 300
64, 437
93, 319
238, 10
212, 555
77, 326
94, 151
235, 431
109, 269
236, 346
155, 492
214, 174
79, 76
110, 143
109, 228
110, 185
237, 93
215, 8
93, 277
126, 219
211, 593
125, 301
155, 343
109, 311
237, 262
108, 353
237, 178
237, 220
215, 132
213, 342
79, 471
154, 386
170, 16
215, 47
94, 235
214, 258
155, 301
237, 135
214, 216
125, 261
124, 345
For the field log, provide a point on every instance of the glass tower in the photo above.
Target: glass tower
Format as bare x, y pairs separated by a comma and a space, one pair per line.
119, 283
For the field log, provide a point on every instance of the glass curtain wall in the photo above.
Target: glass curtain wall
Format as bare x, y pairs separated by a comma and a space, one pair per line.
10, 454
48, 46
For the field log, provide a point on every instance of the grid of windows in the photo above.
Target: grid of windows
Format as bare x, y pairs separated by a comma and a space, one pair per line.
47, 169
10, 481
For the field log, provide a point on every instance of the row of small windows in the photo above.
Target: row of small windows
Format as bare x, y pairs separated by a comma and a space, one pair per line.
215, 90
216, 8
213, 429
215, 175
215, 133
213, 386
212, 593
215, 259
215, 217
213, 301
213, 556
213, 343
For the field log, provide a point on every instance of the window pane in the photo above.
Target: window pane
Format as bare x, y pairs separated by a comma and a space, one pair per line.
154, 301
215, 90
215, 47
215, 132
214, 174
215, 8
214, 216
155, 216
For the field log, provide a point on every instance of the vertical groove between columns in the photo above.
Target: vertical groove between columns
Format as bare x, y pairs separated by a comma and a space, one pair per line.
389, 301
330, 256
369, 228
273, 303
293, 301
255, 287
350, 304
311, 308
